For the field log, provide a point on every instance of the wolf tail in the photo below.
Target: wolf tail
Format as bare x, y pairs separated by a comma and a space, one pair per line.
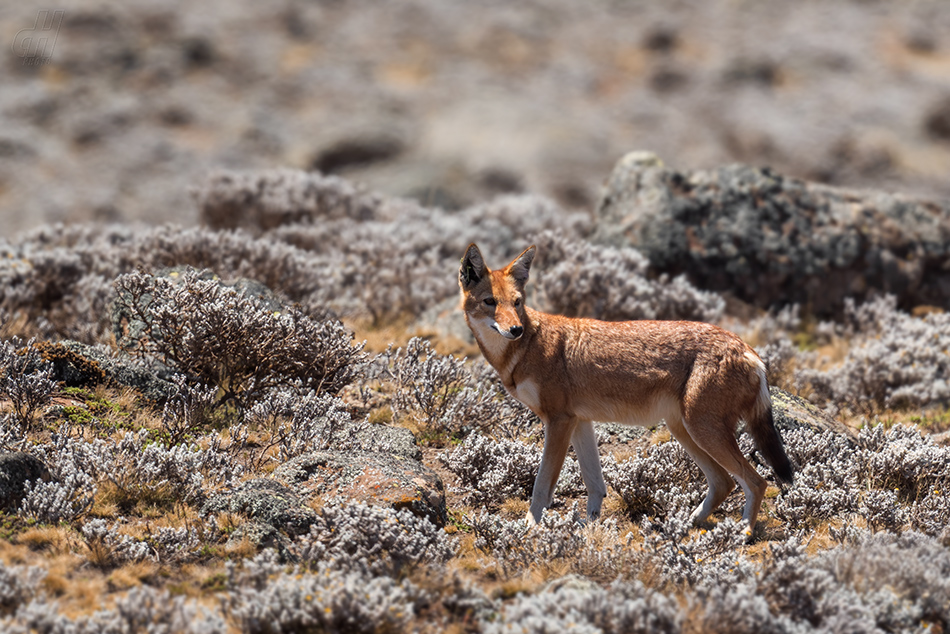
767, 439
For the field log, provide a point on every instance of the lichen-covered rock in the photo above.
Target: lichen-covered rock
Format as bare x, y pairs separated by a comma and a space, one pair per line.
769, 239
373, 478
265, 502
79, 365
377, 437
792, 412
15, 470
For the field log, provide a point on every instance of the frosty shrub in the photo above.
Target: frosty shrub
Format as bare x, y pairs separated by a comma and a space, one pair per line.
188, 411
712, 556
904, 460
298, 421
232, 341
266, 600
59, 277
514, 550
624, 607
141, 609
402, 262
266, 199
895, 360
491, 471
891, 478
25, 379
110, 547
874, 583
444, 395
58, 501
425, 381
18, 585
578, 279
135, 468
372, 539
595, 549
649, 484
144, 469
74, 467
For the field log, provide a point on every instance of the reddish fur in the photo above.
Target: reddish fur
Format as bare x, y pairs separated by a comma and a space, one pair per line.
699, 377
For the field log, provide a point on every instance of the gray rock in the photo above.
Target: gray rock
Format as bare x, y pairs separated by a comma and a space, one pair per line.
79, 365
15, 470
377, 437
769, 240
373, 478
791, 412
265, 502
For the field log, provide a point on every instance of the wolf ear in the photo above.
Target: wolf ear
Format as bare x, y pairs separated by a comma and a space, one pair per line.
521, 265
473, 268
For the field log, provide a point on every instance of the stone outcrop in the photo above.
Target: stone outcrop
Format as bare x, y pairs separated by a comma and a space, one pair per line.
770, 240
15, 470
377, 478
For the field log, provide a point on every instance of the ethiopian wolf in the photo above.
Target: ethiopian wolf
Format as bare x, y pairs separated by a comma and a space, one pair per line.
700, 378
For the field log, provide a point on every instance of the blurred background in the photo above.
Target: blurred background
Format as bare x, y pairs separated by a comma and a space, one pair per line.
125, 106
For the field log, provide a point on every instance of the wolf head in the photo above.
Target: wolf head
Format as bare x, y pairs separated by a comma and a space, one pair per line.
494, 300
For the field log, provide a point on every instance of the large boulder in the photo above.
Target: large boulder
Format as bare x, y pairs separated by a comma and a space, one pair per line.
80, 365
793, 412
273, 514
768, 239
15, 470
383, 479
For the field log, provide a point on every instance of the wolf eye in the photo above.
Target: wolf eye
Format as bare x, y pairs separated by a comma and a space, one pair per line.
489, 301
517, 302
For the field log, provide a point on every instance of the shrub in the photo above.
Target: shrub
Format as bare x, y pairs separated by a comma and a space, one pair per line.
651, 483
578, 279
18, 584
232, 341
141, 609
109, 547
266, 199
297, 422
188, 411
25, 378
624, 607
491, 471
895, 360
328, 600
375, 540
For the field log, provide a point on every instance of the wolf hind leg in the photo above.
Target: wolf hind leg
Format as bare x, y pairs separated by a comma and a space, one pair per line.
716, 436
719, 481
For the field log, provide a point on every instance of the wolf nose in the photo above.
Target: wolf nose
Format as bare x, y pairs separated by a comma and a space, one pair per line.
516, 331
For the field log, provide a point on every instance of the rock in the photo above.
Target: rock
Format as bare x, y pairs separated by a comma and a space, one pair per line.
377, 437
79, 365
791, 412
266, 502
262, 536
772, 240
15, 470
372, 478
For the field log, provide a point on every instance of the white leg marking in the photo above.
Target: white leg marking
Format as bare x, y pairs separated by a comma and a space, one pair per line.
584, 441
